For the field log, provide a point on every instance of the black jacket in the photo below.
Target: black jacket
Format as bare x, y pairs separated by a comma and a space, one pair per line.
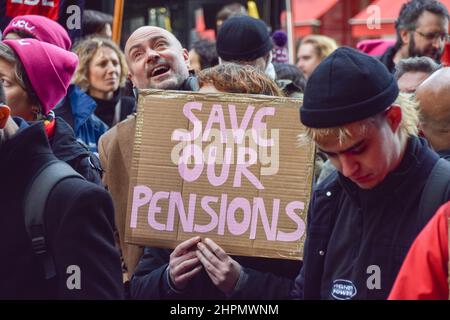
388, 59
67, 148
351, 231
106, 109
267, 279
79, 220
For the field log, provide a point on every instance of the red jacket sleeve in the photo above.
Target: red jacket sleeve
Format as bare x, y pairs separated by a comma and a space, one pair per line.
424, 273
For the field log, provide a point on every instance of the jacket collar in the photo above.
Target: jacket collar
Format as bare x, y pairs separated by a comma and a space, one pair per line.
388, 58
23, 154
115, 98
190, 84
404, 176
445, 154
64, 144
82, 105
20, 122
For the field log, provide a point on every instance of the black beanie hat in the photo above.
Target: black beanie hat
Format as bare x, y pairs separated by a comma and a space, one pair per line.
347, 86
243, 38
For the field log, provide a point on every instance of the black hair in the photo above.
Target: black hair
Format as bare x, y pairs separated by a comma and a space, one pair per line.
23, 34
416, 64
287, 71
94, 22
206, 50
410, 13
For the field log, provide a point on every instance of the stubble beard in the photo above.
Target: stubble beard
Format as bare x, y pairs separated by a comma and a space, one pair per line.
414, 52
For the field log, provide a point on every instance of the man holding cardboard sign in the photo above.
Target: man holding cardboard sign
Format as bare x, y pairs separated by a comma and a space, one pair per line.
251, 207
363, 219
155, 60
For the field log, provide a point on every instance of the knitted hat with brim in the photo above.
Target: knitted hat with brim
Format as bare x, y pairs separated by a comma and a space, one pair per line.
347, 86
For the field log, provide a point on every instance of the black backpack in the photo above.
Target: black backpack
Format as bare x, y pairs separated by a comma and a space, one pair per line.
436, 191
36, 198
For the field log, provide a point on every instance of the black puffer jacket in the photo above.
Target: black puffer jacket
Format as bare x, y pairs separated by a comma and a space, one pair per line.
388, 59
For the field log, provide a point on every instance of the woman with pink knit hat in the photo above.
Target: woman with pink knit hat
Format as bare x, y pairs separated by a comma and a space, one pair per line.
76, 107
35, 76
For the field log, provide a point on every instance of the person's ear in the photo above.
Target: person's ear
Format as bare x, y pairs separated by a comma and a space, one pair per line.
4, 115
186, 57
405, 35
130, 77
268, 57
394, 117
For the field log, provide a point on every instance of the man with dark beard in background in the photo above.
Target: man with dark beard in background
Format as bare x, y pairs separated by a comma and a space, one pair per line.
422, 30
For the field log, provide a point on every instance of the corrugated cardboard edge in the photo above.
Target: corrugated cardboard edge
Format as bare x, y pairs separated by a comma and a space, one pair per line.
239, 98
135, 160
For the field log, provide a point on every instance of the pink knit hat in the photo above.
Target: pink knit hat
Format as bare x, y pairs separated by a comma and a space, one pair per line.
375, 47
48, 67
41, 28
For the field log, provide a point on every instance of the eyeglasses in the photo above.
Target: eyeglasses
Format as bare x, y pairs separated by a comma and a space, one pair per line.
434, 35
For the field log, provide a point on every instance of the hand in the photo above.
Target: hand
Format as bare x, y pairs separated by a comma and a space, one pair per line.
184, 264
220, 267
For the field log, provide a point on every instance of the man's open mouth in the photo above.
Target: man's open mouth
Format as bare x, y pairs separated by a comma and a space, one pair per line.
159, 70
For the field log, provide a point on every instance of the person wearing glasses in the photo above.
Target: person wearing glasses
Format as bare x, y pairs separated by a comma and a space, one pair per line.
422, 30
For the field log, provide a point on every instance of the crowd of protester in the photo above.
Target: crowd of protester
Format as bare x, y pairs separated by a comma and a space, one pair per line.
380, 122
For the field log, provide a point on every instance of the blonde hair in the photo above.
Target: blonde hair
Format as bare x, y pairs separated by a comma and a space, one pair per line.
408, 125
235, 78
323, 45
85, 50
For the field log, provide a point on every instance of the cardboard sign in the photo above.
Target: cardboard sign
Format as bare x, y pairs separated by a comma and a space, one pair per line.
224, 166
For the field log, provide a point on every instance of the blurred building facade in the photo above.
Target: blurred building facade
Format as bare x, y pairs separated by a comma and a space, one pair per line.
346, 21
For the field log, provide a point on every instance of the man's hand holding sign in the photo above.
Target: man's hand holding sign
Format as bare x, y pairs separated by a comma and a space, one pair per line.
184, 264
221, 268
